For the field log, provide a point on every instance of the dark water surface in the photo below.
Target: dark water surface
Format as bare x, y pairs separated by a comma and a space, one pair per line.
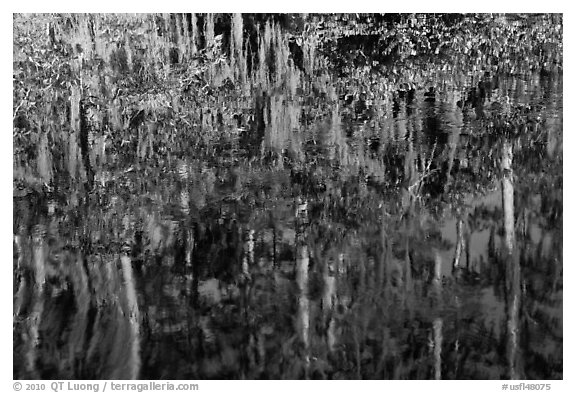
323, 233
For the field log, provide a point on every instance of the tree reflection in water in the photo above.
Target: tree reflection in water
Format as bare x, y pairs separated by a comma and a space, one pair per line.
251, 196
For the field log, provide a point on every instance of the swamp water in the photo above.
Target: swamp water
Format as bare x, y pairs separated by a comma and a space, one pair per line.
302, 211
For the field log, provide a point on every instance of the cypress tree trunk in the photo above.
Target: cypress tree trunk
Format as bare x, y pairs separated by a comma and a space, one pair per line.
512, 266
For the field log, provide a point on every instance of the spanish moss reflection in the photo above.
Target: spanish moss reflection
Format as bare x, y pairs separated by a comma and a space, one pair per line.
288, 196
